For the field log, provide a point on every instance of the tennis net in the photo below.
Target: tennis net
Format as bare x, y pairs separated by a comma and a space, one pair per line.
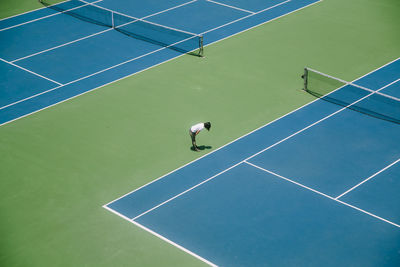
352, 96
178, 40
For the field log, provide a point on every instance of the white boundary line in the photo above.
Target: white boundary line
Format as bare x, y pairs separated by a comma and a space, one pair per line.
26, 12
187, 190
168, 9
255, 26
256, 13
30, 11
322, 194
233, 7
87, 3
162, 237
143, 69
369, 178
175, 244
140, 19
292, 181
65, 44
381, 67
34, 73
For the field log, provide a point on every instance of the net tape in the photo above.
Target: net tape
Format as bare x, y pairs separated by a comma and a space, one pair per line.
352, 96
179, 40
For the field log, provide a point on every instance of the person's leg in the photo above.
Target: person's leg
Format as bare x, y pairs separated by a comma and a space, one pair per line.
193, 137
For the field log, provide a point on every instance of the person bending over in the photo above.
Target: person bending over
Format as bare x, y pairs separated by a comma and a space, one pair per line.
196, 129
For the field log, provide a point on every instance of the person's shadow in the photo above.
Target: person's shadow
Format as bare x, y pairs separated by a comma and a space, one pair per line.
201, 148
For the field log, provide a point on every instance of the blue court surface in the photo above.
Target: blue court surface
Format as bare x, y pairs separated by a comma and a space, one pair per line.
317, 187
48, 56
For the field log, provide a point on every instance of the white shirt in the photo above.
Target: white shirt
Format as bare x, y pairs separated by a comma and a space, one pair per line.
197, 127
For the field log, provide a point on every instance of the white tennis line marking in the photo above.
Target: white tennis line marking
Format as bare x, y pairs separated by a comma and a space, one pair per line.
322, 194
101, 32
135, 18
261, 151
175, 244
14, 103
233, 7
91, 3
381, 67
34, 73
162, 237
30, 11
163, 11
26, 12
280, 176
369, 178
52, 48
45, 17
184, 192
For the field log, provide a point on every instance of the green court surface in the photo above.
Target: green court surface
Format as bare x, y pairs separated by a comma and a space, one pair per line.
60, 165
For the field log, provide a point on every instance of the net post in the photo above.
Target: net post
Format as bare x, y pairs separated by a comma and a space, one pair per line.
201, 46
305, 78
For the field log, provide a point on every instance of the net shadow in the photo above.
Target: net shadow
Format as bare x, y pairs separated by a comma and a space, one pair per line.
355, 107
175, 40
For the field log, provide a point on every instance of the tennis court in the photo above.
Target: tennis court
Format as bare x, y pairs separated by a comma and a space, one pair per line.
96, 97
319, 171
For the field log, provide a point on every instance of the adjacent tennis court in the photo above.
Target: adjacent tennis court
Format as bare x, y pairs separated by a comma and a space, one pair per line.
87, 45
303, 168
